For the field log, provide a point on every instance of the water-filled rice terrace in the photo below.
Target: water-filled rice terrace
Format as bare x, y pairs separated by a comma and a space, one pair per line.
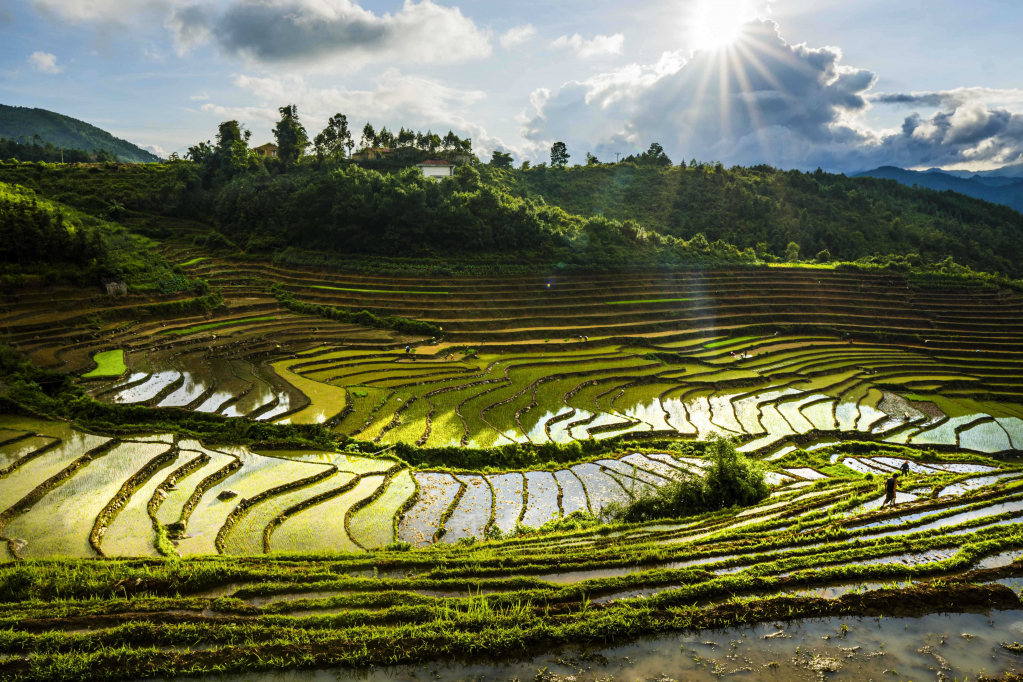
333, 587
213, 558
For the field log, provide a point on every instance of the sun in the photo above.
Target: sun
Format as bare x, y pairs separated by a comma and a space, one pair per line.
717, 24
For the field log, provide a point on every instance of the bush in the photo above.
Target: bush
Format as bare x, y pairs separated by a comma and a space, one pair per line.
732, 480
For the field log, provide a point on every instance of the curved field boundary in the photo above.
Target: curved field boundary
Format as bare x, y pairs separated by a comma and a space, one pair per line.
278, 520
57, 479
248, 503
163, 545
136, 481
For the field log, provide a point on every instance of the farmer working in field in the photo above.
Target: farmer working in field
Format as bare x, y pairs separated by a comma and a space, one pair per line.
905, 468
890, 484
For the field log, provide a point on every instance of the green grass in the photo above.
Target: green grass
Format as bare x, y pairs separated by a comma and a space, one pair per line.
194, 261
109, 363
217, 325
729, 342
651, 300
380, 291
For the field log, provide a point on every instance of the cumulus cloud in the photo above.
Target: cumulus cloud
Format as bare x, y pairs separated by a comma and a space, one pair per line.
201, 97
338, 32
155, 149
44, 62
768, 101
517, 36
598, 45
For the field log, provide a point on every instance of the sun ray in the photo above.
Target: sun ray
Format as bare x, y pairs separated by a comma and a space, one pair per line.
751, 106
724, 100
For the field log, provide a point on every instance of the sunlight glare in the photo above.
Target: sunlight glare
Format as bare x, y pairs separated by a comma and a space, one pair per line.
718, 23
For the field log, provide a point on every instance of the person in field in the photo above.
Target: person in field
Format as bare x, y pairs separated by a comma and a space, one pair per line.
905, 468
890, 484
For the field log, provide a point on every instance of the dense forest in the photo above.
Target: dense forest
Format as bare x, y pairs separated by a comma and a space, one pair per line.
643, 211
767, 209
45, 239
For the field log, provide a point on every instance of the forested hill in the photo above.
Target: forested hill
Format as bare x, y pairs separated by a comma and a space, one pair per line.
67, 132
766, 209
598, 215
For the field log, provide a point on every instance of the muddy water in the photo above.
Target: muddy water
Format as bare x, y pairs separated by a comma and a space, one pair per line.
933, 647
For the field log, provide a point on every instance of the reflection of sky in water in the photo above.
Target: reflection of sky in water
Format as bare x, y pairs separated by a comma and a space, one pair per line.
190, 390
148, 390
649, 412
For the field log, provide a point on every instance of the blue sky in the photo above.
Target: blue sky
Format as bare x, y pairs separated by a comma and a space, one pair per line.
842, 84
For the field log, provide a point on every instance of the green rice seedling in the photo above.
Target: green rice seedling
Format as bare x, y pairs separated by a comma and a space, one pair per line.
109, 364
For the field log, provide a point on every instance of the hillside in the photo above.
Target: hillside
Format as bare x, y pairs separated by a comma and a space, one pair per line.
764, 208
64, 131
1007, 191
604, 215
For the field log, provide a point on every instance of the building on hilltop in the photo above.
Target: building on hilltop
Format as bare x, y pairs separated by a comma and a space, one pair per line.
372, 153
436, 168
268, 150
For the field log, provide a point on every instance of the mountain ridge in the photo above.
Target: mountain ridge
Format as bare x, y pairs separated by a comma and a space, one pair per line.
65, 131
1004, 190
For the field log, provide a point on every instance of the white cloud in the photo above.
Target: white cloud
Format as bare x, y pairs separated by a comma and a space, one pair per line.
338, 34
44, 62
201, 97
772, 102
517, 36
598, 45
153, 53
396, 100
117, 11
155, 149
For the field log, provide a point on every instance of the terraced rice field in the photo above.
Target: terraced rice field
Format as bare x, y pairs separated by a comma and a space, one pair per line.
677, 355
116, 497
832, 380
819, 545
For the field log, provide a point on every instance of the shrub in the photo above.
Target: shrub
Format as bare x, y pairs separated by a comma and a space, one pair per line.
731, 480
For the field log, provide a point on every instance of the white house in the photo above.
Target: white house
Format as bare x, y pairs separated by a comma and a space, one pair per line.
436, 168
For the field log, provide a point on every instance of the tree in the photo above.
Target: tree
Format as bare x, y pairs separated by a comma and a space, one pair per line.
655, 155
559, 155
501, 159
230, 132
592, 160
333, 140
291, 136
792, 252
369, 136
200, 152
406, 138
824, 256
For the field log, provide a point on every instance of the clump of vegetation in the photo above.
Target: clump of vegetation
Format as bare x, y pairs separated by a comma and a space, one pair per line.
731, 480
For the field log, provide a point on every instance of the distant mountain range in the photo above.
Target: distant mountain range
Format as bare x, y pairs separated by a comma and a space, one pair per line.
1003, 186
19, 123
